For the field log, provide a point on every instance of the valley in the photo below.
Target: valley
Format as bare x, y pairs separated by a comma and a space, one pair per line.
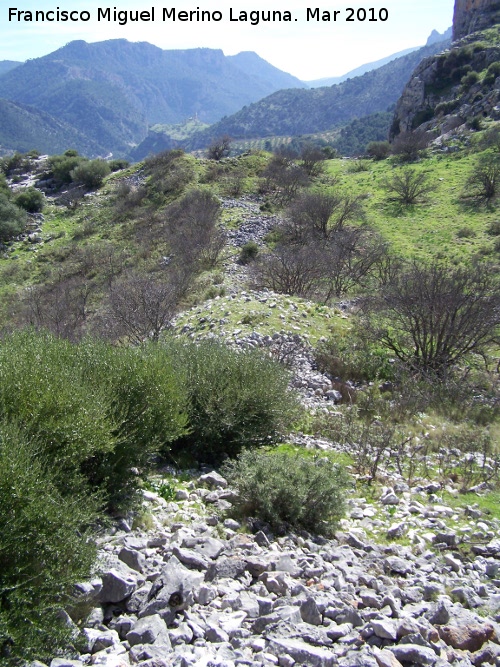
249, 397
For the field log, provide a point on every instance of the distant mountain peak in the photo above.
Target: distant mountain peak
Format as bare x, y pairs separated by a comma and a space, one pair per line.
436, 36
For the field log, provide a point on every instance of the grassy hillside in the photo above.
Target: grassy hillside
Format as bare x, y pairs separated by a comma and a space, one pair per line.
443, 226
129, 222
170, 237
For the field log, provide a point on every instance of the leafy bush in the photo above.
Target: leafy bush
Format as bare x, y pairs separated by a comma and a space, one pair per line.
96, 411
248, 252
352, 357
236, 400
45, 550
378, 150
289, 490
62, 165
118, 164
91, 173
31, 200
12, 218
492, 73
147, 402
469, 80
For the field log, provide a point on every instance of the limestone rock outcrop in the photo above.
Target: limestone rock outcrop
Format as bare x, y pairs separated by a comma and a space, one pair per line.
473, 15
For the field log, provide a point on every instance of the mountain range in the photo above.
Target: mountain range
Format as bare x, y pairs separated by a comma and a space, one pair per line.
301, 111
125, 88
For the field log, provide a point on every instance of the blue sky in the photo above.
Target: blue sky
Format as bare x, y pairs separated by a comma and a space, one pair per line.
308, 50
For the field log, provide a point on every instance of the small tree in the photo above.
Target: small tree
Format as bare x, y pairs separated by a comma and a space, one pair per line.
12, 219
31, 200
433, 317
408, 146
91, 173
484, 180
219, 148
409, 186
378, 150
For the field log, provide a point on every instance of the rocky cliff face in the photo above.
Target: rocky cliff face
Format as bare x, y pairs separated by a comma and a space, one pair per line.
473, 15
449, 89
460, 84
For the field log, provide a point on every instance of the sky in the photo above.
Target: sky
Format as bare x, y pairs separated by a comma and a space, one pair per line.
307, 49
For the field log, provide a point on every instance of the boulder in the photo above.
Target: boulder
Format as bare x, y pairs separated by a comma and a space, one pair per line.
467, 637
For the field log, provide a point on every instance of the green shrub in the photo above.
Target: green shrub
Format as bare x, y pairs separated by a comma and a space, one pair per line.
447, 107
147, 402
352, 357
469, 80
236, 400
118, 164
31, 200
45, 548
12, 218
42, 390
289, 490
98, 412
91, 173
61, 166
492, 73
248, 252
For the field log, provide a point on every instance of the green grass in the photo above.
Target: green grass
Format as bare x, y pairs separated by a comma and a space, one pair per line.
431, 229
489, 503
240, 316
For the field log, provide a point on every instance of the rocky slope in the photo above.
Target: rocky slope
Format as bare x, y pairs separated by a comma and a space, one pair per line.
194, 589
473, 15
410, 579
451, 88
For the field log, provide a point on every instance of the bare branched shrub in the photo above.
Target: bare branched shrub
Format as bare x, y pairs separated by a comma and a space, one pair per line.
318, 214
192, 230
312, 160
321, 269
432, 317
219, 148
61, 307
484, 181
284, 178
408, 146
72, 199
288, 270
139, 307
349, 259
128, 197
408, 186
